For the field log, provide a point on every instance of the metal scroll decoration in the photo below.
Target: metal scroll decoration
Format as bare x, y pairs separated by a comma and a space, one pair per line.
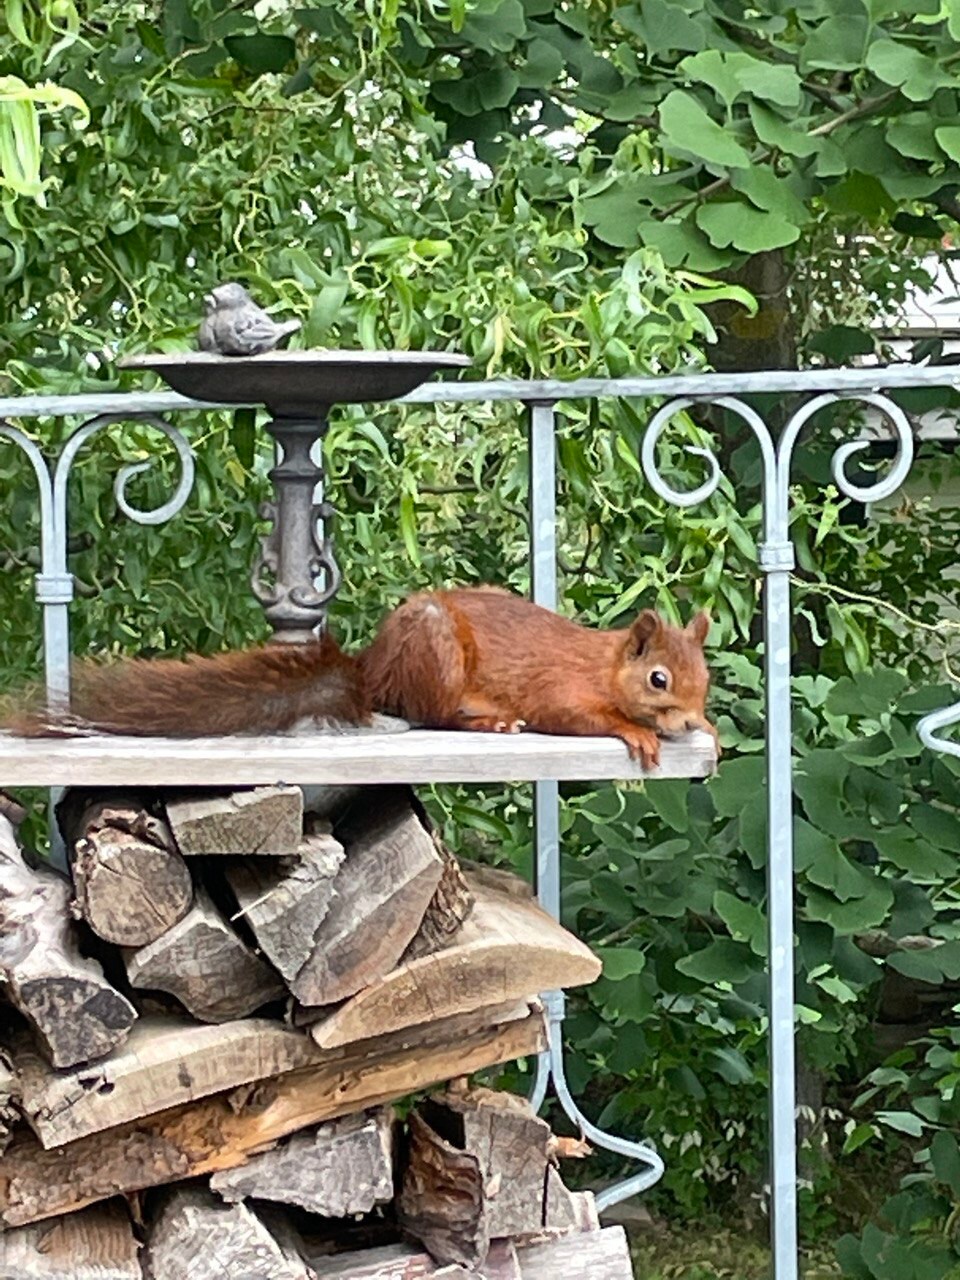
295, 554
776, 557
54, 582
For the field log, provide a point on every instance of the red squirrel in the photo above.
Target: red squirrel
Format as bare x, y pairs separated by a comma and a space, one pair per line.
476, 658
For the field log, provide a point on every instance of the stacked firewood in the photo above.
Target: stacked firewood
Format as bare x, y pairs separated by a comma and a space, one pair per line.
204, 1025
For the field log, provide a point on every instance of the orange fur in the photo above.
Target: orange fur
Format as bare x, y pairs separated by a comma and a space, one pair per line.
487, 660
266, 690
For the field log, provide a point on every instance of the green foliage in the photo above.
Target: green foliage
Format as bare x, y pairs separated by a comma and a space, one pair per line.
914, 1095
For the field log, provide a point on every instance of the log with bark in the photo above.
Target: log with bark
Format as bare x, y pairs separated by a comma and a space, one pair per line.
206, 966
96, 1244
164, 1063
222, 1131
381, 893
284, 901
507, 948
343, 1167
595, 1255
131, 882
196, 1236
263, 820
476, 1170
11, 1089
76, 1013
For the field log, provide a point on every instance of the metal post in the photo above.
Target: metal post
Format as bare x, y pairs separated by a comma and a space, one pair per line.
776, 560
293, 554
546, 795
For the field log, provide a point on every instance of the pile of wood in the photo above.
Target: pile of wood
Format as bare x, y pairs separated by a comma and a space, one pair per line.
205, 1024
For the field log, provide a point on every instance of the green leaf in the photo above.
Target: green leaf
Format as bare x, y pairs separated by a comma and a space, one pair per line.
945, 1158
496, 28
948, 138
495, 88
855, 1139
686, 126
902, 1121
914, 135
662, 27
408, 526
731, 1065
773, 130
614, 215
720, 961
262, 53
669, 799
734, 73
856, 914
711, 67
838, 44
736, 784
940, 826
543, 65
681, 244
768, 81
764, 189
733, 223
621, 962
904, 66
243, 436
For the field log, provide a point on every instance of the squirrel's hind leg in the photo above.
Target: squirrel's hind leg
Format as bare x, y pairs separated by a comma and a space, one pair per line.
480, 715
417, 665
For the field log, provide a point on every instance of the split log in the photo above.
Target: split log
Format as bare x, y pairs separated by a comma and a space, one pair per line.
10, 1090
284, 901
594, 1255
476, 1170
197, 1236
265, 820
222, 1131
508, 947
342, 1168
448, 908
203, 963
130, 881
97, 1244
382, 891
392, 1262
164, 1063
76, 1013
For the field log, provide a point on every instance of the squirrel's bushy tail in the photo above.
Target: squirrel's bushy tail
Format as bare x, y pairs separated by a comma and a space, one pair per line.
267, 690
419, 662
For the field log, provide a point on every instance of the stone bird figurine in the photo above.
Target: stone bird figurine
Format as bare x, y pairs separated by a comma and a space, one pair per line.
235, 326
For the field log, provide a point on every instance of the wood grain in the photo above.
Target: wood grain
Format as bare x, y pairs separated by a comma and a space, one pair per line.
506, 948
341, 1168
76, 1013
97, 1244
222, 1131
164, 1063
420, 755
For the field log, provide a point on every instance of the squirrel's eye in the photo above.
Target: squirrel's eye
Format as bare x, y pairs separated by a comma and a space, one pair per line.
659, 679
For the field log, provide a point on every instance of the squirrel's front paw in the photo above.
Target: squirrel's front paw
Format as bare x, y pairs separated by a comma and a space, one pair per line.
643, 745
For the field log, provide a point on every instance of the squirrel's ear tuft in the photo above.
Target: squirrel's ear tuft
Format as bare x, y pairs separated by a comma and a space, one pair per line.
699, 626
647, 625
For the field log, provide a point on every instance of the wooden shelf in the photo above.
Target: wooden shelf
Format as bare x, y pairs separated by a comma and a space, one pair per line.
420, 755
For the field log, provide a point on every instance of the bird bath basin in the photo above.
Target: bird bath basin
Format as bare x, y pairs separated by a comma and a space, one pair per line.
297, 384
296, 574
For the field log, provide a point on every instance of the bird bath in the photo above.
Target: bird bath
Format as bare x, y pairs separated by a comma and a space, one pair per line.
299, 388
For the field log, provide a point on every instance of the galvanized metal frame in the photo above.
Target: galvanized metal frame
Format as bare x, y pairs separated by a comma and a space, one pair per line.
866, 386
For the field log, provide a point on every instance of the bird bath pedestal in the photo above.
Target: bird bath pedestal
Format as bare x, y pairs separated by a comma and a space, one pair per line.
298, 388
